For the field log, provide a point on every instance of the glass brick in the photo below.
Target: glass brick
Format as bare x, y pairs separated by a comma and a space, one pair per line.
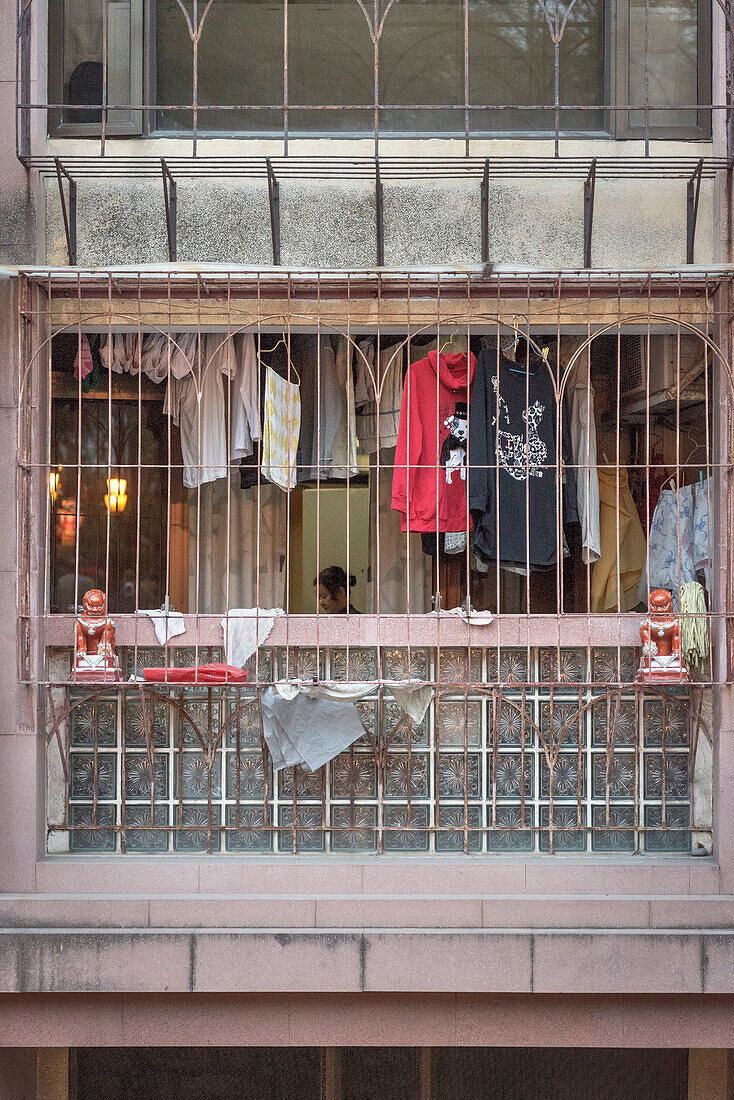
405, 664
138, 778
676, 837
192, 776
243, 718
309, 829
672, 770
567, 666
90, 775
156, 710
451, 819
511, 772
135, 660
568, 781
618, 772
201, 716
512, 720
353, 775
621, 720
456, 775
260, 667
353, 828
301, 663
457, 720
308, 784
93, 718
405, 775
563, 725
247, 831
665, 720
196, 824
459, 666
405, 829
570, 838
143, 836
90, 833
354, 664
513, 666
248, 769
513, 830
395, 720
616, 836
612, 666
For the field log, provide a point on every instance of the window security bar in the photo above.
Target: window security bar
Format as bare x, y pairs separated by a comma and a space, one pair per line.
539, 735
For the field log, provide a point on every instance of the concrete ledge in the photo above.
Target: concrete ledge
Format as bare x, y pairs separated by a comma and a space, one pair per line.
347, 911
267, 960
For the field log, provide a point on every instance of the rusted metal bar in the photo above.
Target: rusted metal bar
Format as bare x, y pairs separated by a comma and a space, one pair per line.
169, 196
485, 212
274, 204
69, 215
379, 218
589, 190
23, 81
693, 194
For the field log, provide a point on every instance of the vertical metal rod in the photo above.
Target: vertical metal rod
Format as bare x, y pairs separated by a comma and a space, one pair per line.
105, 74
274, 202
693, 193
485, 212
69, 215
589, 189
23, 123
169, 195
380, 225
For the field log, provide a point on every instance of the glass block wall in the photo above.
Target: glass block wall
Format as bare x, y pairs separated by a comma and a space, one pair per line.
521, 751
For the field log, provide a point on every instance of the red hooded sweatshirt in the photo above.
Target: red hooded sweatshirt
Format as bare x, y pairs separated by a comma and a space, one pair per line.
429, 482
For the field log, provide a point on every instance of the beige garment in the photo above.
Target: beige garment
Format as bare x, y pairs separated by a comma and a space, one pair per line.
230, 571
623, 553
344, 452
402, 578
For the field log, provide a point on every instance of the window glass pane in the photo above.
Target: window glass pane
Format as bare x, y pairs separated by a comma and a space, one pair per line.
673, 60
421, 62
250, 73
330, 60
511, 62
82, 65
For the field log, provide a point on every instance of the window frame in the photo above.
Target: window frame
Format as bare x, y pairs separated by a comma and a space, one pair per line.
624, 126
134, 126
618, 124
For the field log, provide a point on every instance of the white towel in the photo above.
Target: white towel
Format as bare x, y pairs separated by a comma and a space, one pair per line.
246, 628
168, 624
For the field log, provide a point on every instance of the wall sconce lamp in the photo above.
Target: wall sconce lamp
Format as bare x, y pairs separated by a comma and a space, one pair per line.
115, 498
54, 481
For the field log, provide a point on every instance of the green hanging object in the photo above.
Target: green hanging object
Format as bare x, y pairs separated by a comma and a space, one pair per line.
694, 635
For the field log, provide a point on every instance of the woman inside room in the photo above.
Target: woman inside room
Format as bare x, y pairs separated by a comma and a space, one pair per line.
334, 586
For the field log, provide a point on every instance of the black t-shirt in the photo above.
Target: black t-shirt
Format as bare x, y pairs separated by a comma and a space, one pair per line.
514, 448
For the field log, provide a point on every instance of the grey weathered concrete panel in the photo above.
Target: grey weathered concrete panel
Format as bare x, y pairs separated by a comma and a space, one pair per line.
328, 225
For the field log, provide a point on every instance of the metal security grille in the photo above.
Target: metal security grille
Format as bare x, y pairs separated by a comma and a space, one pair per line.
536, 738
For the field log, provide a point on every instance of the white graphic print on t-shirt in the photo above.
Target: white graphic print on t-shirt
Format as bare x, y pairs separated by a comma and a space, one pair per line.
520, 458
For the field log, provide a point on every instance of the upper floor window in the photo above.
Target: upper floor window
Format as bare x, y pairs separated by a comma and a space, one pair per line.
400, 67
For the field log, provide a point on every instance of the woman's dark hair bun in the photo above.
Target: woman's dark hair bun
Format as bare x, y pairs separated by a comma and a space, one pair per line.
335, 578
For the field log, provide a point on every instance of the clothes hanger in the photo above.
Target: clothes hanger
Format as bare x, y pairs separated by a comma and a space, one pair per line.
276, 345
451, 342
542, 353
